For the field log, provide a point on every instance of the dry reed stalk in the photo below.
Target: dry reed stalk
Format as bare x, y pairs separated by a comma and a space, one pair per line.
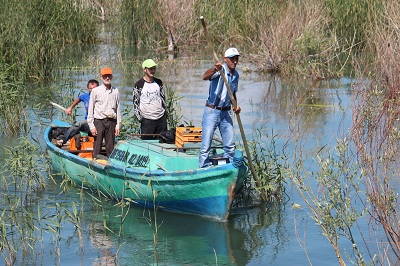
376, 123
283, 40
175, 19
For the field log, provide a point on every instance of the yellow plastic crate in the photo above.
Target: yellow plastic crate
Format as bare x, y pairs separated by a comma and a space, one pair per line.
187, 134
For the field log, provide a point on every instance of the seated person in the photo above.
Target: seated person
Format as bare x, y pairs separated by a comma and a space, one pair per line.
79, 125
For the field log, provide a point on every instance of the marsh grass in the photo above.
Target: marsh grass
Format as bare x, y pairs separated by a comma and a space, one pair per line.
376, 126
22, 179
331, 193
351, 19
268, 164
12, 105
24, 170
309, 38
34, 33
361, 178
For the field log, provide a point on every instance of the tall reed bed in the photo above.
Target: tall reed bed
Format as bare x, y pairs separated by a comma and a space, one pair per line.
311, 38
21, 179
230, 22
33, 34
351, 19
361, 179
290, 37
12, 104
376, 125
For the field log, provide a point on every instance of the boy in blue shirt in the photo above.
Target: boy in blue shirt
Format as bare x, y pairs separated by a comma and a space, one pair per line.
80, 125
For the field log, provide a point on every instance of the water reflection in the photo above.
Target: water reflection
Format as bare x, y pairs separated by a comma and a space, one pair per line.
252, 236
181, 239
103, 243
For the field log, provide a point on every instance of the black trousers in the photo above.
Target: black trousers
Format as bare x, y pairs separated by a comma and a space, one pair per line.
105, 130
148, 126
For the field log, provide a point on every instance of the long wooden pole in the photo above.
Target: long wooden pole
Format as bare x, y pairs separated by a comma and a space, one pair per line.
59, 106
234, 105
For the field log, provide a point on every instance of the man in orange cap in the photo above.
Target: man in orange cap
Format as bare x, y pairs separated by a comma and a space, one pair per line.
104, 114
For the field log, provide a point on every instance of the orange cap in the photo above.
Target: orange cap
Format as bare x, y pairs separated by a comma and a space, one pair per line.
106, 71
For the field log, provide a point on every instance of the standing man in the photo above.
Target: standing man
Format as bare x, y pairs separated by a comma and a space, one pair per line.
217, 112
149, 102
104, 117
80, 125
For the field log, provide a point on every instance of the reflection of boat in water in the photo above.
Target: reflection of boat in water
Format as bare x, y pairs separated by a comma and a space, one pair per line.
149, 173
181, 239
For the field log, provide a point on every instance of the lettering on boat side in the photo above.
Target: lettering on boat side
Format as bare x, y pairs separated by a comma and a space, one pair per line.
134, 159
119, 155
139, 160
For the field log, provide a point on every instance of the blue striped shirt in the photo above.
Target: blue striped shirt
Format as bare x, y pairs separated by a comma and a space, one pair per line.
218, 94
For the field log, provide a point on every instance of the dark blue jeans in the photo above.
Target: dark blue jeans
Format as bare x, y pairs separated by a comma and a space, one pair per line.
74, 129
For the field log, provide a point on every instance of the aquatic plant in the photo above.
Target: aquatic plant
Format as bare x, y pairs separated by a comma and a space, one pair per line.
375, 129
44, 28
351, 19
269, 165
331, 192
22, 178
12, 104
12, 112
174, 110
289, 37
25, 171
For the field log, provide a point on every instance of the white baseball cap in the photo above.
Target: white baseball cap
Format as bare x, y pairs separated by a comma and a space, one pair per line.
231, 52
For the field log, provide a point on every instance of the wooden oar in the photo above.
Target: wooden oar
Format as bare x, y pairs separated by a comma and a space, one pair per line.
59, 106
234, 104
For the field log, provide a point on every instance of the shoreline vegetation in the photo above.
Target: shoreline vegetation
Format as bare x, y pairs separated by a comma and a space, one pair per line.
313, 39
295, 40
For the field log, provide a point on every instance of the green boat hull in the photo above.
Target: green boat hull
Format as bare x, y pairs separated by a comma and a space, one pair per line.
148, 173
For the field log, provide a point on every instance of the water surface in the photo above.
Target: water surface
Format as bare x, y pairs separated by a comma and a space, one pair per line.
275, 235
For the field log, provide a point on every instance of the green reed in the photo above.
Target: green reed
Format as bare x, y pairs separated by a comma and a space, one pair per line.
34, 32
12, 105
351, 19
182, 20
174, 109
331, 193
312, 38
268, 164
289, 37
22, 179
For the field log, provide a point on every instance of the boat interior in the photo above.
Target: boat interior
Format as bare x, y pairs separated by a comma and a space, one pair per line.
146, 154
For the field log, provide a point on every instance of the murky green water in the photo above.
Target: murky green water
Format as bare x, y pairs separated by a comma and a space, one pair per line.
252, 236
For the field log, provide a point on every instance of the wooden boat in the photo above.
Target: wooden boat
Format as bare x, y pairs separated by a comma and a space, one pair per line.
149, 173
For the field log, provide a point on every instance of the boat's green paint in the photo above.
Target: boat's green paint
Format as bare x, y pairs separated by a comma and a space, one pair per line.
148, 173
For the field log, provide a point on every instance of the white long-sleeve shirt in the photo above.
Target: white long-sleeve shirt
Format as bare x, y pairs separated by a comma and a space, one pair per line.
104, 103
